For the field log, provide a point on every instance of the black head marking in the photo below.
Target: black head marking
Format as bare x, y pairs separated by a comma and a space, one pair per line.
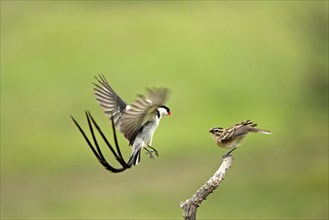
216, 129
165, 107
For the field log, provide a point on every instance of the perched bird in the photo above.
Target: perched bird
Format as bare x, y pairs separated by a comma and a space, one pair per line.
137, 121
230, 137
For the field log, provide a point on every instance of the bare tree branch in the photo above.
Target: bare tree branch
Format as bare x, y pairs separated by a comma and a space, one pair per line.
190, 205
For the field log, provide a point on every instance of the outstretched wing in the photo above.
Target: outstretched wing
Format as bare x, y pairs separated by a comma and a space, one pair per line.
112, 103
141, 111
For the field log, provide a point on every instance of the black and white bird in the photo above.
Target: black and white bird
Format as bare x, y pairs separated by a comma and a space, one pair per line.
231, 137
137, 121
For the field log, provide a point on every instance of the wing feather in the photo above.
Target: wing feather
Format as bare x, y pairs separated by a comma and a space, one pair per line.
242, 128
141, 111
111, 102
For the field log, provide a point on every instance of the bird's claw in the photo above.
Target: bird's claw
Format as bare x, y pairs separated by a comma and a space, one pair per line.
226, 155
229, 153
151, 155
154, 150
150, 152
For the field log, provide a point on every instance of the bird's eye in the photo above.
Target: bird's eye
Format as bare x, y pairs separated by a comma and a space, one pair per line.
218, 130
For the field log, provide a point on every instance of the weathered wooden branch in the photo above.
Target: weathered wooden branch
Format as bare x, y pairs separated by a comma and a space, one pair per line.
190, 205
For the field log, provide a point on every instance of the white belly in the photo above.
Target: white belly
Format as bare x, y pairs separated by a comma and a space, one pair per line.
145, 137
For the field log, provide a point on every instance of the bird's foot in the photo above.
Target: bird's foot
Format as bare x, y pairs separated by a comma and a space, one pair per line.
154, 150
151, 153
228, 153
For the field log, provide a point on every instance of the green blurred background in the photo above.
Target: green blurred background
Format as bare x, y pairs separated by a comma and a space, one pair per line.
224, 62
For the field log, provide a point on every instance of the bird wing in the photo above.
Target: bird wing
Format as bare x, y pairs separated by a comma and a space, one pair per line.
242, 128
226, 135
112, 103
141, 111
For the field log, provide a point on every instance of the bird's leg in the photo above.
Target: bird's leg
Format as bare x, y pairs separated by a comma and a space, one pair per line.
154, 150
149, 152
228, 153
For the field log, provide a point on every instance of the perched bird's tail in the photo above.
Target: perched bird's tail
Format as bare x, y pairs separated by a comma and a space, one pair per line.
262, 131
252, 127
135, 158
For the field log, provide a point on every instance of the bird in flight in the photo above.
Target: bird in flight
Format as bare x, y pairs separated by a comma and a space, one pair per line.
231, 137
137, 121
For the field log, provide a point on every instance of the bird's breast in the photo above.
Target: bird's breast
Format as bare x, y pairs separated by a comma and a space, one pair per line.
229, 143
148, 130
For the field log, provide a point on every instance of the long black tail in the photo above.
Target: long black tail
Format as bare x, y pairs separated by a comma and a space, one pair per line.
97, 151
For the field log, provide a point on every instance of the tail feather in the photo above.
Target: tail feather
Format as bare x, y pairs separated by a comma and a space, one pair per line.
135, 158
263, 131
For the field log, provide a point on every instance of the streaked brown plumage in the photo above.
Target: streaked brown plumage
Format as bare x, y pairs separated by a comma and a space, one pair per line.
230, 137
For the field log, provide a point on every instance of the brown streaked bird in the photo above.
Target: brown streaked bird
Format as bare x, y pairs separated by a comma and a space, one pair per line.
231, 137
